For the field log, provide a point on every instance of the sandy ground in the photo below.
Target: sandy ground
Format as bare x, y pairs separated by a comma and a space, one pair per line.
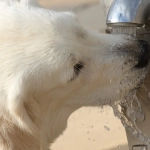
89, 128
92, 129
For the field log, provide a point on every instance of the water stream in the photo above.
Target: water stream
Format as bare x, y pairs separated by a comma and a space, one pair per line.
131, 30
129, 111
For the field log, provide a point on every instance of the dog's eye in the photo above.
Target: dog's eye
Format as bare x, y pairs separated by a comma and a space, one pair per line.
77, 68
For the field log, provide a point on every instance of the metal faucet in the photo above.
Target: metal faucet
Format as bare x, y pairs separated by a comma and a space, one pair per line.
135, 13
129, 13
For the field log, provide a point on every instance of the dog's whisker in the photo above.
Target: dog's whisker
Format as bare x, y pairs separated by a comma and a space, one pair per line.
144, 87
142, 97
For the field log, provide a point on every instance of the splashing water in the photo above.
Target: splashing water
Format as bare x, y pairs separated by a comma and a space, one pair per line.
131, 112
129, 30
131, 109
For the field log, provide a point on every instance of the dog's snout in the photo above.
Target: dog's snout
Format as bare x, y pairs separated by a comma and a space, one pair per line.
144, 54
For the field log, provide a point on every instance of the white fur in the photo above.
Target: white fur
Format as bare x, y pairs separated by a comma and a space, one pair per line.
38, 86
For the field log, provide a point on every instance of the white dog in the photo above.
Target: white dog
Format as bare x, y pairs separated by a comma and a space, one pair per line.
50, 66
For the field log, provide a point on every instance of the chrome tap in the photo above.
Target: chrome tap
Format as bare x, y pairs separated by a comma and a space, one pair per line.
129, 13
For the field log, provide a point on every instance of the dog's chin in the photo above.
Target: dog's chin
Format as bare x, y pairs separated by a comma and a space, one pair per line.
132, 92
138, 86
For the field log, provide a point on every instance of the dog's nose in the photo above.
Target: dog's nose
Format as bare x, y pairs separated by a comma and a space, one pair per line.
144, 55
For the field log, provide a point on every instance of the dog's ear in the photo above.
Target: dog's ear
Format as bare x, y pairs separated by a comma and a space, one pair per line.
18, 106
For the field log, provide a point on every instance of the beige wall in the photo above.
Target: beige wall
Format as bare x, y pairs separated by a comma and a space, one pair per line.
62, 3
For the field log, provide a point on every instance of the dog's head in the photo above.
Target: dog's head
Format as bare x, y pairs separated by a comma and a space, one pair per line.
91, 68
49, 60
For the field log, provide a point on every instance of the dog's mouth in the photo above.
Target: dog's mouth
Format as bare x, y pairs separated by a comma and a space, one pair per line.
136, 88
139, 85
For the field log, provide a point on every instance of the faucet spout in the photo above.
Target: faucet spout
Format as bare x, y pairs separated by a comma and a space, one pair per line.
128, 13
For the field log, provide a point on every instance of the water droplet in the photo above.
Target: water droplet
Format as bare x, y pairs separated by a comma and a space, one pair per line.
107, 128
118, 91
110, 81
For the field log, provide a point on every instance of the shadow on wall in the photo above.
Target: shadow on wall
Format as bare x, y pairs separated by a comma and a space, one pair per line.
119, 147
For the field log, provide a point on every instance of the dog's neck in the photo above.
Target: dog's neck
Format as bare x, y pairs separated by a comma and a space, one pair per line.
58, 122
49, 127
